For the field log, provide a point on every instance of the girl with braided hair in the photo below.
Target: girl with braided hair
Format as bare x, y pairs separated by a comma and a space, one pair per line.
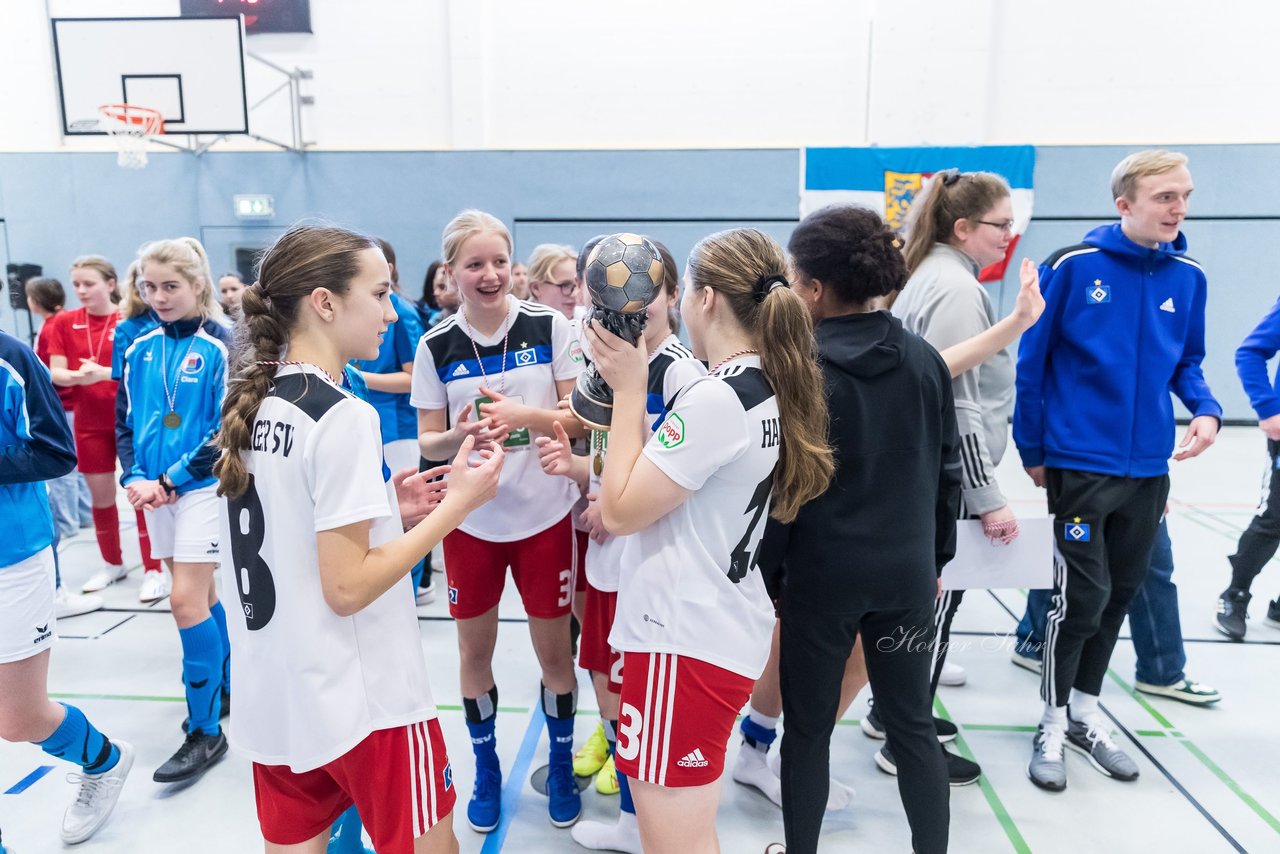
333, 703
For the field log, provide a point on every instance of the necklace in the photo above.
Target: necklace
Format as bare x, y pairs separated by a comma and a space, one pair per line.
727, 359
506, 335
281, 362
173, 420
107, 327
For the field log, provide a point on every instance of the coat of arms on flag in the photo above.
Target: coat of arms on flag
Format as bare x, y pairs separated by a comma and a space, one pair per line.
888, 179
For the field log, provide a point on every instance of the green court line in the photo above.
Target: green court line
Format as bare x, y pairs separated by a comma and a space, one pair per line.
1172, 732
993, 800
1150, 733
142, 698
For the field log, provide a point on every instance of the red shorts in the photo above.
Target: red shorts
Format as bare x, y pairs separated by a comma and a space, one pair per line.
542, 567
676, 717
580, 564
399, 779
95, 451
594, 652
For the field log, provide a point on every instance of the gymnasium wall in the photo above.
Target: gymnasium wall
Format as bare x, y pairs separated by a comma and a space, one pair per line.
572, 74
56, 206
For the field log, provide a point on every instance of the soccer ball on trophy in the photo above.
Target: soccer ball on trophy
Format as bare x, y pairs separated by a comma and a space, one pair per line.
623, 275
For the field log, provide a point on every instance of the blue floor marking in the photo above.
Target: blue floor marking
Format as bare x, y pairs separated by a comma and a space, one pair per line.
516, 782
30, 780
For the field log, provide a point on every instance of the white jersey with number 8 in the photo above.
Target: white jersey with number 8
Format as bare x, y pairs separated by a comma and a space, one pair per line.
689, 583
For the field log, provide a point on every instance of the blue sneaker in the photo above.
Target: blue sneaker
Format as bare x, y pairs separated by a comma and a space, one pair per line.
485, 805
564, 803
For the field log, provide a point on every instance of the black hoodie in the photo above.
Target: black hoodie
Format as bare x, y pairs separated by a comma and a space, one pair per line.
880, 536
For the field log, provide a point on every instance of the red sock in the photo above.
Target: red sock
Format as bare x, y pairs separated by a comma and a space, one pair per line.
106, 524
149, 563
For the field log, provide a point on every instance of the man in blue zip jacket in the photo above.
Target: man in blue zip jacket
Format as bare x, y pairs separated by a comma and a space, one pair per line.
1123, 327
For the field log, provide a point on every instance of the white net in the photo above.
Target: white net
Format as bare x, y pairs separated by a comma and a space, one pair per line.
131, 127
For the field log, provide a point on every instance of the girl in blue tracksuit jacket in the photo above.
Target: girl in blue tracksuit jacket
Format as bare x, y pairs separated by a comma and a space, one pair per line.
168, 412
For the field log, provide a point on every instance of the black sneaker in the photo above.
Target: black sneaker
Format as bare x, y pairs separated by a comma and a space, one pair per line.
197, 754
226, 710
872, 727
960, 771
1273, 613
1233, 610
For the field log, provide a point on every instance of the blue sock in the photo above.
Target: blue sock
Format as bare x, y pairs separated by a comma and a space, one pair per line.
219, 615
482, 721
76, 740
757, 736
202, 675
560, 709
344, 837
624, 788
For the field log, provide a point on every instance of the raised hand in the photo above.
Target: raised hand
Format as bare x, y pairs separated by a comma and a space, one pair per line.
1029, 305
554, 453
418, 493
471, 485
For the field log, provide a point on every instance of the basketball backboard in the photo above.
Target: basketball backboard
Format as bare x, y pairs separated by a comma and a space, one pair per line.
191, 69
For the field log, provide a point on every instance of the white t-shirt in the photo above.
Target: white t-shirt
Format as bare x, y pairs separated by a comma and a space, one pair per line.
541, 349
689, 584
671, 367
309, 684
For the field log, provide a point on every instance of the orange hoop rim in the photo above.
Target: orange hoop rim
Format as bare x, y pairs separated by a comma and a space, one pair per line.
135, 117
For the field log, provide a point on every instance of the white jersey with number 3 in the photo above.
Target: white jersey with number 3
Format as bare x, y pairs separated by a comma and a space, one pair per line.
309, 684
689, 583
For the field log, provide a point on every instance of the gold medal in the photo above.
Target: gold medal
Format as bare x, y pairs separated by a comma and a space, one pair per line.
173, 421
598, 464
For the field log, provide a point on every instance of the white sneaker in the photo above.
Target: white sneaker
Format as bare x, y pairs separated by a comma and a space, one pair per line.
68, 604
839, 795
155, 586
105, 577
952, 675
426, 595
96, 799
751, 768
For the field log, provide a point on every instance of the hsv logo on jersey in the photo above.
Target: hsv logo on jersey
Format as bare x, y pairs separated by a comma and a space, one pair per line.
671, 433
1099, 293
525, 357
1077, 531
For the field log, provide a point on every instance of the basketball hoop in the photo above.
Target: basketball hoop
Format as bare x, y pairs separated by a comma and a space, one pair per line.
131, 127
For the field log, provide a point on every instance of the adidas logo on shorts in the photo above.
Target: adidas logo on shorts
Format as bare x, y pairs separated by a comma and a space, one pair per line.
694, 759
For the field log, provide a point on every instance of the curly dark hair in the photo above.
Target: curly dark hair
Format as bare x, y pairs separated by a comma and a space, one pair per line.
850, 250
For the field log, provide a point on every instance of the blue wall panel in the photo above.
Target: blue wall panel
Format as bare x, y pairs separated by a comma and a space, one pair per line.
57, 206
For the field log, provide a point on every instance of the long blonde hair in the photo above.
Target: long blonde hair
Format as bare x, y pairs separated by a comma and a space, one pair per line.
187, 256
734, 264
949, 196
135, 305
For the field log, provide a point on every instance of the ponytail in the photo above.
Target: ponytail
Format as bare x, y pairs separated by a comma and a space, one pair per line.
302, 259
949, 196
749, 269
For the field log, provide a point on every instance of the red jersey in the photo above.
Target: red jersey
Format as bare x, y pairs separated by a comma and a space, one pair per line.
80, 336
65, 393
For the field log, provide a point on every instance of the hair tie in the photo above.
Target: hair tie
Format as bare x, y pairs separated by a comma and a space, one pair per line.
949, 176
767, 283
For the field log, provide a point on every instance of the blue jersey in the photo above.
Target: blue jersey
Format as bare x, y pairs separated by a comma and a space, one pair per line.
190, 358
396, 416
127, 332
35, 446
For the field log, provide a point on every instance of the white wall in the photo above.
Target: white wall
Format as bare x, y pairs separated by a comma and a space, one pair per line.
414, 74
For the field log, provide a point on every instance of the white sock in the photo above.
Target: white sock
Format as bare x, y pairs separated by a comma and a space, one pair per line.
1082, 705
760, 718
751, 768
839, 795
599, 836
1054, 716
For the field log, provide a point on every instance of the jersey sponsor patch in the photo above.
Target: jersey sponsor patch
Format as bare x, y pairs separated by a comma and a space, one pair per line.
671, 433
575, 351
194, 364
525, 357
1099, 293
1076, 531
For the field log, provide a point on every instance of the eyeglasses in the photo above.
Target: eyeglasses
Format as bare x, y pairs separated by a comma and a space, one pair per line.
567, 289
1006, 226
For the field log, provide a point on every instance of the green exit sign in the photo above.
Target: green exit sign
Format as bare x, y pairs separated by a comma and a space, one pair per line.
255, 207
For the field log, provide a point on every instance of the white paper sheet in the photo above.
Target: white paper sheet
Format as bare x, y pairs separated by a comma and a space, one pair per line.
1027, 562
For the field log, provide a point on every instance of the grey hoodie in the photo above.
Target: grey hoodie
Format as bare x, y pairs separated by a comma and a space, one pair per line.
944, 303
